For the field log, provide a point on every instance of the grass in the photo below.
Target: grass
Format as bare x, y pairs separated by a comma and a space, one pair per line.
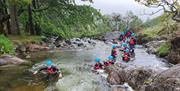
6, 45
153, 32
163, 50
25, 39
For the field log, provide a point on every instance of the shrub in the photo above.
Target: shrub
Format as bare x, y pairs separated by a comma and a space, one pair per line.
163, 50
6, 46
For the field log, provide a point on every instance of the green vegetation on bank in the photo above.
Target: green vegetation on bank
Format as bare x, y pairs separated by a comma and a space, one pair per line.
6, 46
159, 26
25, 39
62, 18
163, 50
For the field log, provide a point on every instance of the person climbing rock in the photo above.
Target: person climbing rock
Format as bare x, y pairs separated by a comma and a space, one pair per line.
114, 53
132, 43
98, 64
50, 69
110, 60
126, 55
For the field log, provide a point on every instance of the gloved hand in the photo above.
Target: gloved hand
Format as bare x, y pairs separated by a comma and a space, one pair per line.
60, 75
34, 73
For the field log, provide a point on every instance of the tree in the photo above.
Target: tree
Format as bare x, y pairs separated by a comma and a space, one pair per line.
14, 17
168, 6
4, 18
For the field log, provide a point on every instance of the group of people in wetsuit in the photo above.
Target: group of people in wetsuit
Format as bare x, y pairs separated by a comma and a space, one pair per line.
126, 45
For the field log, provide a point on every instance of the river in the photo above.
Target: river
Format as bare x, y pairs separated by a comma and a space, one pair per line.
76, 65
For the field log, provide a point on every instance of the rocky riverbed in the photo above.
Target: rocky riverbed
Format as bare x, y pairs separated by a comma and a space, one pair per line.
146, 73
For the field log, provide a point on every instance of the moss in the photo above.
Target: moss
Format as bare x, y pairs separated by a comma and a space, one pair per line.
163, 50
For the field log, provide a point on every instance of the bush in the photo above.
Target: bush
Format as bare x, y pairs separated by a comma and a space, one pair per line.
163, 50
6, 46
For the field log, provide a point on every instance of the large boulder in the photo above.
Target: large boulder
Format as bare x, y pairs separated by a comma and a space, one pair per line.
111, 35
135, 77
138, 76
35, 47
168, 80
173, 56
116, 75
21, 48
6, 60
153, 46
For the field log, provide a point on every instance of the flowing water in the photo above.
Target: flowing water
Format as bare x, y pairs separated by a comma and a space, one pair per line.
76, 65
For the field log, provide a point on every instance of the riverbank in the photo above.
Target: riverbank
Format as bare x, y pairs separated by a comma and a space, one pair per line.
161, 38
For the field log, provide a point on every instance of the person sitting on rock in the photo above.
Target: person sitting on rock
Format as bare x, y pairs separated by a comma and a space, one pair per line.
126, 55
49, 69
132, 43
114, 53
121, 37
124, 46
110, 60
98, 64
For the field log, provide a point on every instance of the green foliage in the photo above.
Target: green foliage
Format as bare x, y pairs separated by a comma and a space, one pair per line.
163, 50
153, 32
152, 22
65, 19
6, 46
118, 22
26, 39
158, 26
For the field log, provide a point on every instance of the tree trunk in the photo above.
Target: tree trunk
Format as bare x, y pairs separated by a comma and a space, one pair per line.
7, 22
1, 16
30, 21
14, 18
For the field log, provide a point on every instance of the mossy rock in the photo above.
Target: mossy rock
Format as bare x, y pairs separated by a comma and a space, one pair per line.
163, 50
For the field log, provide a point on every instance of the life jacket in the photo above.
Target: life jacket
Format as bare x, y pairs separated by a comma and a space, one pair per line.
132, 41
126, 58
98, 66
114, 53
129, 34
50, 71
107, 64
111, 63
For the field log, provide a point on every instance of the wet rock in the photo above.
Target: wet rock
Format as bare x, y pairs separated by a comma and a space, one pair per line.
124, 87
111, 35
10, 60
153, 46
60, 43
21, 48
116, 76
78, 39
35, 47
174, 55
135, 77
51, 40
68, 42
168, 80
118, 89
80, 44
